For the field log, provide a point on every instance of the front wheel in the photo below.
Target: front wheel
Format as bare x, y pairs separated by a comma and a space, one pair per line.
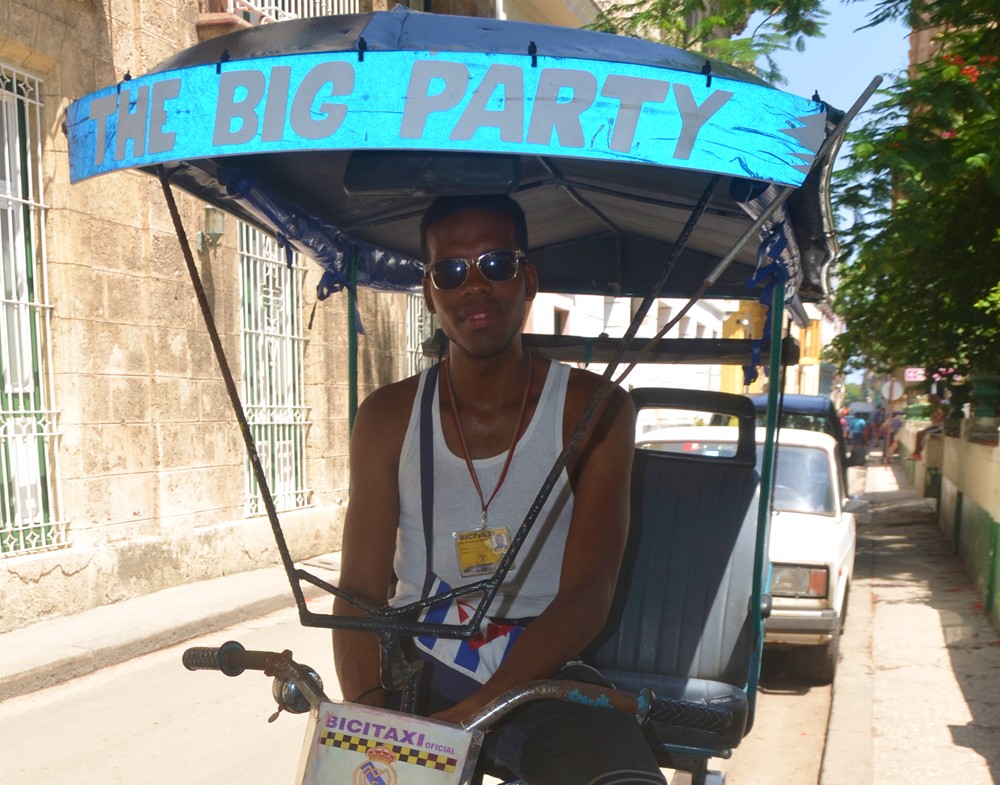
818, 664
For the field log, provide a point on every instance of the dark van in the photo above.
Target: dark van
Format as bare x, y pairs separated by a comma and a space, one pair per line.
805, 412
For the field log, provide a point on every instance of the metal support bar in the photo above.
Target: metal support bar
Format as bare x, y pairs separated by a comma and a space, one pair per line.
755, 227
766, 480
234, 395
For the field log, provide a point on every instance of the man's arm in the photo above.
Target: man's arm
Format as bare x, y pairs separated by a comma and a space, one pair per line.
370, 533
601, 480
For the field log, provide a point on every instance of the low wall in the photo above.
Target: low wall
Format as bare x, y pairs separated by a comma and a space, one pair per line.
925, 472
88, 574
961, 468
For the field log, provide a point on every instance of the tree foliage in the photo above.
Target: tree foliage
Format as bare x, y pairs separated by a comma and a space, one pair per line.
718, 28
853, 393
921, 282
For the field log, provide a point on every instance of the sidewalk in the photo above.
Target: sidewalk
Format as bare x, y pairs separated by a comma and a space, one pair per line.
917, 693
57, 650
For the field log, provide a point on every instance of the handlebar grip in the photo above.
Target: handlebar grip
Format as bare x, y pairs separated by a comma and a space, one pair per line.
215, 658
698, 716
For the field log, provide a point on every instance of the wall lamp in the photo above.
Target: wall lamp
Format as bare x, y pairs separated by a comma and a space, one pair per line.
215, 228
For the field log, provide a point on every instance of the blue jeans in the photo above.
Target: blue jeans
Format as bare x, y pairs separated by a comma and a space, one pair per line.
554, 742
550, 742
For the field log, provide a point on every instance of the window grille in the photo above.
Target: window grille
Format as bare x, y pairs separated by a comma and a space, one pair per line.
261, 12
29, 499
419, 327
271, 308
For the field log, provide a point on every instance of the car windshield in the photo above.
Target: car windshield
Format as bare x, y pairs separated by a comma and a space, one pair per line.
803, 480
802, 422
797, 420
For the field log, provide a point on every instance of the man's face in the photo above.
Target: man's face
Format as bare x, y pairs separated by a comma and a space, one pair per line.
479, 317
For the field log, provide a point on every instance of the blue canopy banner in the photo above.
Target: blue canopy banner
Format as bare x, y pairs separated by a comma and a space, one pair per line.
448, 101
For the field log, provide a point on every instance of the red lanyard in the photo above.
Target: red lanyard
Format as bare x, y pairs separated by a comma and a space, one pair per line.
453, 403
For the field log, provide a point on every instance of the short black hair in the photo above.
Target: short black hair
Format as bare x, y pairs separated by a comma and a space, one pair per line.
446, 206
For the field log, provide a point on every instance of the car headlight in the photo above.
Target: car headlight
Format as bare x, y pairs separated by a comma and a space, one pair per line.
793, 580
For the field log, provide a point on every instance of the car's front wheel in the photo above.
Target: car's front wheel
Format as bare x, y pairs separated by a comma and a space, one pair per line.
818, 664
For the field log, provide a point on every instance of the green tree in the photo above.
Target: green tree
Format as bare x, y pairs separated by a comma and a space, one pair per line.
718, 28
920, 284
853, 393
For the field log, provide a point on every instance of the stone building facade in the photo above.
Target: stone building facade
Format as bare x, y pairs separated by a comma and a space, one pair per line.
122, 466
122, 469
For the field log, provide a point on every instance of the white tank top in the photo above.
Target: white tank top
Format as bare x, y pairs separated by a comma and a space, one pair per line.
533, 582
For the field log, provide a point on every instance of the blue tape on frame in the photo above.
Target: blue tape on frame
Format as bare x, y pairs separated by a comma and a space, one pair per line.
768, 276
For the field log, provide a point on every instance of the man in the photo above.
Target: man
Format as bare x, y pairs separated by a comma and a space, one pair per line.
890, 433
858, 424
500, 417
939, 411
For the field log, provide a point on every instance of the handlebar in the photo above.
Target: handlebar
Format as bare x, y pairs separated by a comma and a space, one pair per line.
232, 659
636, 705
643, 705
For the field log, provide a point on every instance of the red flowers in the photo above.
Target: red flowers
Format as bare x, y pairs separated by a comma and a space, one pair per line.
972, 71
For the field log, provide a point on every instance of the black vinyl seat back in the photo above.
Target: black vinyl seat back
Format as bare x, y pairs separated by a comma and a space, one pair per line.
681, 622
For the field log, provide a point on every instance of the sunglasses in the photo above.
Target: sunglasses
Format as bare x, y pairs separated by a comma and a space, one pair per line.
495, 267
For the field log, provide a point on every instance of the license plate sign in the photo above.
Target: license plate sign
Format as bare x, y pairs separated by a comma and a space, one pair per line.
348, 744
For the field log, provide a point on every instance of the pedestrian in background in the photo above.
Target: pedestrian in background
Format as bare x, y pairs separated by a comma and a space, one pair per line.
890, 431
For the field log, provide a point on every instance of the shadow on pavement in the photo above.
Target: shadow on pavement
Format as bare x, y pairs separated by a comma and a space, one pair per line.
779, 675
914, 566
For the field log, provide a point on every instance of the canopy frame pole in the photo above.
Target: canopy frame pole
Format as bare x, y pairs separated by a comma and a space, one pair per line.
234, 396
574, 194
767, 474
782, 196
396, 617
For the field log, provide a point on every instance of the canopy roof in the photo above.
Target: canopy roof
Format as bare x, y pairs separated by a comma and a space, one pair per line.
336, 132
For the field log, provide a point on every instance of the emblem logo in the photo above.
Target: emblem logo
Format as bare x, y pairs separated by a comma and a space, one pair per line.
377, 770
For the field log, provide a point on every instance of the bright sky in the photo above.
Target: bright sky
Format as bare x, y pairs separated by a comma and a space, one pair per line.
843, 63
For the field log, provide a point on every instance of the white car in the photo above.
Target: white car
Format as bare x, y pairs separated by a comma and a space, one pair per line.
812, 538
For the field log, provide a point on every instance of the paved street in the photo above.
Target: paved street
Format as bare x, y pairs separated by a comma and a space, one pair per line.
150, 721
791, 717
916, 699
147, 719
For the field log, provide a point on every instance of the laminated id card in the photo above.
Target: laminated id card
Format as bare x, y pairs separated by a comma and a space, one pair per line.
351, 744
479, 550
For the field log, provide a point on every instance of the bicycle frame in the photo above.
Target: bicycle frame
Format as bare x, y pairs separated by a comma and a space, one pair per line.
651, 211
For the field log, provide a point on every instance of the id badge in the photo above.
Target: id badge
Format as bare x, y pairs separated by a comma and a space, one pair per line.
479, 551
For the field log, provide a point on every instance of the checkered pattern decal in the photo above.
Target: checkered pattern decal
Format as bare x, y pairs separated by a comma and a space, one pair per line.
404, 754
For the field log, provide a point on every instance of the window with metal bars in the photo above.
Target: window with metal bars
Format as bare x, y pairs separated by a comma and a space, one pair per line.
28, 492
271, 300
267, 11
419, 327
